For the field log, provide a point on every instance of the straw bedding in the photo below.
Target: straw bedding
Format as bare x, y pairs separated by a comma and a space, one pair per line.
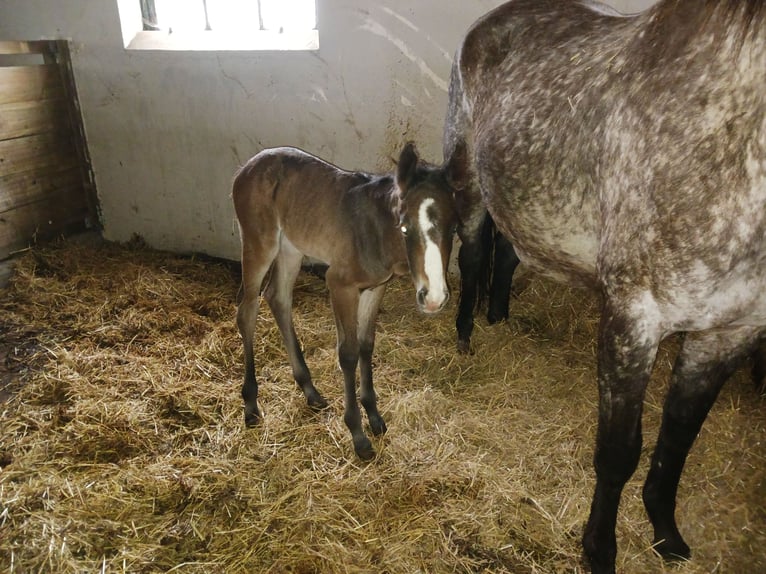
123, 448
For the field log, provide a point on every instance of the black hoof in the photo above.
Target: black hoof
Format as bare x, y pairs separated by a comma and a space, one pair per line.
493, 317
595, 558
363, 448
252, 418
597, 566
317, 402
377, 425
673, 552
463, 347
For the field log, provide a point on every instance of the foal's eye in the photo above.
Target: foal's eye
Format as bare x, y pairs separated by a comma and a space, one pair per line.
403, 229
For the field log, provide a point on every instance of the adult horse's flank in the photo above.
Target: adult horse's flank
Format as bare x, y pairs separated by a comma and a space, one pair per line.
629, 154
367, 229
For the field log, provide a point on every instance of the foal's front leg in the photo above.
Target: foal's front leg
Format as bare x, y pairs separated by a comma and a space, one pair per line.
369, 303
345, 302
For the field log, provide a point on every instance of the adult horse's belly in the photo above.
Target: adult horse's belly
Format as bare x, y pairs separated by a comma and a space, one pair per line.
699, 300
558, 239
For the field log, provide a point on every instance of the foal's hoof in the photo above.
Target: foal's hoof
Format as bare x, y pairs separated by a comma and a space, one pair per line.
677, 551
363, 448
377, 425
316, 402
494, 317
463, 347
252, 418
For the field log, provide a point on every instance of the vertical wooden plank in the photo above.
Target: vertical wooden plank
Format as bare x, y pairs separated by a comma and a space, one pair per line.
64, 57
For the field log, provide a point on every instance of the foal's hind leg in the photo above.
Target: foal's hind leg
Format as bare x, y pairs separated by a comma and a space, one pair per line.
279, 295
705, 362
369, 303
504, 265
258, 252
472, 261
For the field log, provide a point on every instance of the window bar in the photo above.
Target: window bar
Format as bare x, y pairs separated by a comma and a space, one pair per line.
260, 16
207, 18
149, 15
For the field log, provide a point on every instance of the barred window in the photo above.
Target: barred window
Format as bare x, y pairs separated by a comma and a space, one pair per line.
219, 24
228, 15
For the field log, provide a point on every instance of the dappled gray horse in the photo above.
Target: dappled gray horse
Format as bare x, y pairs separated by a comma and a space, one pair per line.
367, 229
627, 154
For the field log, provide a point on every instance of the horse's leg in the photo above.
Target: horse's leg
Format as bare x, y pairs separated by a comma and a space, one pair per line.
258, 252
627, 347
345, 304
472, 260
279, 295
706, 360
505, 263
369, 303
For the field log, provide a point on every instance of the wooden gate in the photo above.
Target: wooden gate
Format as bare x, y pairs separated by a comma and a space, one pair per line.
46, 183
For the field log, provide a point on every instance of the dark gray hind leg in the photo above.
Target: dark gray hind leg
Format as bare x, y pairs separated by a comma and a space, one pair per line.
258, 252
369, 303
627, 347
504, 265
279, 295
706, 360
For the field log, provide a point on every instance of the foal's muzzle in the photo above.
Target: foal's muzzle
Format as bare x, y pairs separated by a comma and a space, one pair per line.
431, 302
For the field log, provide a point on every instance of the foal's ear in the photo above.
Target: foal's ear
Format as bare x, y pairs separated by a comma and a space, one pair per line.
405, 169
456, 167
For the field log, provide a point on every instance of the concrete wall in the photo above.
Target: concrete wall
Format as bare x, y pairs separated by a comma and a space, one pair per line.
167, 130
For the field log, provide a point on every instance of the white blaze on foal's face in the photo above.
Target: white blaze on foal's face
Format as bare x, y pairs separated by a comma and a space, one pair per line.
437, 292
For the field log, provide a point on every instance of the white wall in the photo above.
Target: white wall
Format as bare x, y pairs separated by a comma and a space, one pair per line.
166, 131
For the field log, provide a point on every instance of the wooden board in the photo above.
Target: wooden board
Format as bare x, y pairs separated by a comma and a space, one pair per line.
46, 178
25, 83
17, 156
64, 211
25, 47
46, 184
33, 117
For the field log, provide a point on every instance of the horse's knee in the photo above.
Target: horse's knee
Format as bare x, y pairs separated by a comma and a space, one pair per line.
348, 357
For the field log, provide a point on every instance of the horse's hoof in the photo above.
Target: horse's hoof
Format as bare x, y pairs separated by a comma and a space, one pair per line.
596, 566
317, 402
463, 347
252, 419
493, 318
377, 425
671, 552
363, 449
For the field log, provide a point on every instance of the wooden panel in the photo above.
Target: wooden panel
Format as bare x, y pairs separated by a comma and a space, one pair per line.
21, 155
60, 212
23, 188
26, 83
28, 47
32, 118
46, 184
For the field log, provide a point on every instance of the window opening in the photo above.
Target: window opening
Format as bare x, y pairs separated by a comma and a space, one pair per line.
228, 15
